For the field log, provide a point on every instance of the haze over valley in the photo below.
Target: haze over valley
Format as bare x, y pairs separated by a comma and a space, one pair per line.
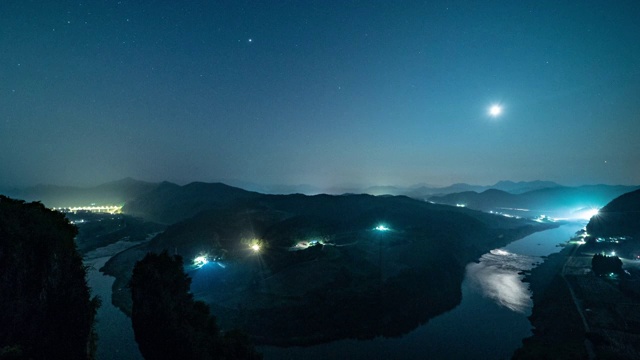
295, 269
319, 179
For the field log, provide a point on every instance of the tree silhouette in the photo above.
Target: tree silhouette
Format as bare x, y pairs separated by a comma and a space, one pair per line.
167, 321
45, 306
602, 264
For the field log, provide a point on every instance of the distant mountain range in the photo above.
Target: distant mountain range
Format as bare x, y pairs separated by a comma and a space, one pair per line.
169, 203
120, 191
561, 201
416, 191
149, 199
506, 186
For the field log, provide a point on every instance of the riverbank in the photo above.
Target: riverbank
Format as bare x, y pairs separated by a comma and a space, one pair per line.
558, 332
578, 315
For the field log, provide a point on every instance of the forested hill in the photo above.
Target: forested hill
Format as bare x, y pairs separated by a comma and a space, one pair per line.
169, 203
297, 269
620, 217
45, 309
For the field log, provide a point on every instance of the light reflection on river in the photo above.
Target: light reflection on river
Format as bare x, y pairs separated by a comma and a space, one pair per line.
490, 322
496, 277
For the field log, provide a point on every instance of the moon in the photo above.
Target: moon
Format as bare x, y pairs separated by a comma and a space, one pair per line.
495, 110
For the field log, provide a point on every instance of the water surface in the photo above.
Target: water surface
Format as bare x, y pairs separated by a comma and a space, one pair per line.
490, 322
115, 332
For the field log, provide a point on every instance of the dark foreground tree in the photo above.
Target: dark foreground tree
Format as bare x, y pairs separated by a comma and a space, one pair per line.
169, 324
45, 306
603, 265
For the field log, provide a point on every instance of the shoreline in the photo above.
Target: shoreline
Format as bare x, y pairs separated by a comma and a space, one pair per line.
577, 314
112, 344
557, 326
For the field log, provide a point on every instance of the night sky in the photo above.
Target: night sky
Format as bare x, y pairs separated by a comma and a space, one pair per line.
319, 92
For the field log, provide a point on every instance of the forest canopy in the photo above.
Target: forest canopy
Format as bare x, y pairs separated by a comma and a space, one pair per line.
168, 322
45, 307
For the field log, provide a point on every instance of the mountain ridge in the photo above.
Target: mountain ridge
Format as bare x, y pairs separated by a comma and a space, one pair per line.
620, 217
564, 200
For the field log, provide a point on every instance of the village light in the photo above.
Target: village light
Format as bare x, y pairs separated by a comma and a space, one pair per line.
200, 261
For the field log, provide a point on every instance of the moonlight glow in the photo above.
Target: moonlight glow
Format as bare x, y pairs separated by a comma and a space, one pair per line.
495, 110
398, 80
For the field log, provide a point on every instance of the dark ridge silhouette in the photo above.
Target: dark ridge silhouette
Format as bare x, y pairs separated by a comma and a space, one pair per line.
167, 321
487, 200
523, 186
416, 191
45, 308
558, 198
620, 217
170, 203
506, 186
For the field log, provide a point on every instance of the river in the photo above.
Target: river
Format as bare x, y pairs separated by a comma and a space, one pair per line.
490, 322
115, 333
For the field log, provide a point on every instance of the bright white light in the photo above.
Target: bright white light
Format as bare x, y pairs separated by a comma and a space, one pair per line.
301, 245
200, 261
613, 253
495, 110
500, 252
255, 247
381, 228
588, 214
